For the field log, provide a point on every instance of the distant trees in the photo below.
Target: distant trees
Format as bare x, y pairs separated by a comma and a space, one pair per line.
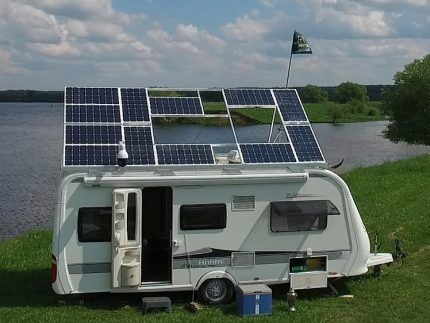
349, 91
313, 94
408, 104
31, 96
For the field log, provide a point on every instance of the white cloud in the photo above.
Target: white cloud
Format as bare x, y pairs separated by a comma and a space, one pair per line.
193, 34
246, 28
268, 3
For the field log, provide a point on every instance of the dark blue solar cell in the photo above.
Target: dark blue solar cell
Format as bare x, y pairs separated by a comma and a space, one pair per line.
82, 95
255, 97
90, 155
93, 134
173, 106
305, 143
92, 113
289, 105
184, 154
134, 104
267, 153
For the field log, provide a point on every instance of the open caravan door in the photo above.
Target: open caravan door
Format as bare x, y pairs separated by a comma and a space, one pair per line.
126, 238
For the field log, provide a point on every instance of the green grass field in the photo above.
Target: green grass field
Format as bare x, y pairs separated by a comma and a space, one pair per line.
393, 200
320, 112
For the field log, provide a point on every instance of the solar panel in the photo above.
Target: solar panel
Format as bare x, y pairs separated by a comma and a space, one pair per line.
267, 153
249, 97
134, 104
89, 95
140, 155
138, 136
289, 105
90, 155
176, 106
184, 154
139, 145
92, 113
93, 134
304, 143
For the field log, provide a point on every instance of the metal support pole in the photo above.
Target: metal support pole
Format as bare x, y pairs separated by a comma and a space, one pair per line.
289, 68
271, 127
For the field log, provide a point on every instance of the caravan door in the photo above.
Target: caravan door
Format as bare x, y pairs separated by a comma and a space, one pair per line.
126, 238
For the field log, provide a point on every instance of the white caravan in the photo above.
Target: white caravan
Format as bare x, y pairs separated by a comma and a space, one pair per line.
207, 225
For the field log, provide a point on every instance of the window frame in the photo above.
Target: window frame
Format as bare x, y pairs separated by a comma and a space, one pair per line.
81, 215
183, 226
330, 210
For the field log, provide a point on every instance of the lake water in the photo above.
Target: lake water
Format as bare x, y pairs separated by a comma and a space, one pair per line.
31, 146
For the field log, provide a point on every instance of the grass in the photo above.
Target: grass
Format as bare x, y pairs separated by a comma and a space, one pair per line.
393, 200
321, 112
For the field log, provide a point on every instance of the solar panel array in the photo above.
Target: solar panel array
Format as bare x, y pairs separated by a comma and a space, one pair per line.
254, 97
180, 106
289, 105
98, 118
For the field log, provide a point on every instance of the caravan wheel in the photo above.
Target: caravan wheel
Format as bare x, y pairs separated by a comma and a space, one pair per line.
216, 291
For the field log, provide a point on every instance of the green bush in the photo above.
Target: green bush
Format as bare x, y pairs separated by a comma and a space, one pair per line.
360, 106
373, 112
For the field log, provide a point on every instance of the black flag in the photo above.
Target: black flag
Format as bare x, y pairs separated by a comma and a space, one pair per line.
300, 44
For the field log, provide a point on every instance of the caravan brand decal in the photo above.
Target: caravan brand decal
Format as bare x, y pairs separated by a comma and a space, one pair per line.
200, 263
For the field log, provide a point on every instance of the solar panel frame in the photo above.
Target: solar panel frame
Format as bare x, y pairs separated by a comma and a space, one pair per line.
91, 95
176, 106
90, 155
289, 105
139, 145
134, 103
93, 134
89, 113
249, 97
270, 153
194, 154
305, 143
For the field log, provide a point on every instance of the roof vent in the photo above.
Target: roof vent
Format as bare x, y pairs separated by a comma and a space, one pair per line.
243, 203
234, 157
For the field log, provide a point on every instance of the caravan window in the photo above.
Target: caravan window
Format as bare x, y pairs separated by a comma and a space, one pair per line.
288, 216
203, 216
94, 224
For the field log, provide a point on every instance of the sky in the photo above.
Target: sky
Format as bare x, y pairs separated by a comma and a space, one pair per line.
49, 44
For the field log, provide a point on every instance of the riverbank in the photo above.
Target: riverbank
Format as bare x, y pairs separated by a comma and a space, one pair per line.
393, 201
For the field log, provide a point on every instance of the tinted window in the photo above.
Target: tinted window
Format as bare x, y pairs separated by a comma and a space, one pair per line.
131, 216
94, 224
290, 216
203, 216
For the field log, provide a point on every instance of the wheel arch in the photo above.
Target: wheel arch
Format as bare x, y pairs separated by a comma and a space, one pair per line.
215, 274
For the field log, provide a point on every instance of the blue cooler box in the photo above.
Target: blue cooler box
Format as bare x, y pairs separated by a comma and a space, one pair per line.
255, 299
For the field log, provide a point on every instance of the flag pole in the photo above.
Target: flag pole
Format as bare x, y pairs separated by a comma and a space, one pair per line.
289, 68
289, 64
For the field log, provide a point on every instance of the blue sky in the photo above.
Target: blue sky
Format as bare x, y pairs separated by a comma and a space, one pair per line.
47, 44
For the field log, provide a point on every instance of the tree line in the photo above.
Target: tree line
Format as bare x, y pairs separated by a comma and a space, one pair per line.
308, 94
343, 93
31, 96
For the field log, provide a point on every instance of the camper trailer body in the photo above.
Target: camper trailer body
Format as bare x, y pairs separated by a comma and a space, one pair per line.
186, 216
245, 242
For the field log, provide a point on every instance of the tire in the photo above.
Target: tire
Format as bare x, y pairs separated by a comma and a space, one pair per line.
216, 291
